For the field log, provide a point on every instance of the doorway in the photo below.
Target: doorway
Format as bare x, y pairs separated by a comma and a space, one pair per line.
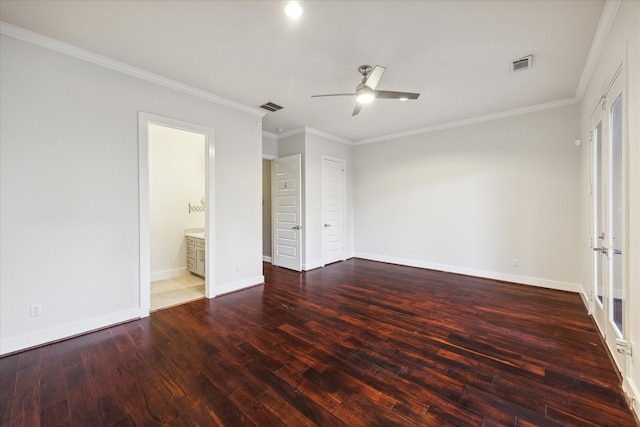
177, 204
201, 201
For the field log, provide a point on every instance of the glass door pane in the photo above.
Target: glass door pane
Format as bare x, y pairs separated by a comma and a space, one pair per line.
598, 194
617, 290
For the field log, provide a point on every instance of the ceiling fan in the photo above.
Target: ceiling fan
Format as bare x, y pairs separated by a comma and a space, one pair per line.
366, 91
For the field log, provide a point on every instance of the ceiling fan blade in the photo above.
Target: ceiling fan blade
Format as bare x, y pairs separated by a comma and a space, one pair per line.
334, 94
374, 77
388, 94
357, 109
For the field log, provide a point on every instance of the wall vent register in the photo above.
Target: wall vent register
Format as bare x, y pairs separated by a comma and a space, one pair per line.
521, 63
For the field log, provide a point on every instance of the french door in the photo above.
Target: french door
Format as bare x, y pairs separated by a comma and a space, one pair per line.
609, 171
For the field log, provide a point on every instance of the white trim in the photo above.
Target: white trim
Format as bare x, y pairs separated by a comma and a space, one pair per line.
607, 18
524, 280
266, 259
473, 120
312, 265
106, 62
311, 131
291, 132
169, 274
585, 300
632, 391
269, 134
237, 286
144, 119
45, 336
268, 156
328, 136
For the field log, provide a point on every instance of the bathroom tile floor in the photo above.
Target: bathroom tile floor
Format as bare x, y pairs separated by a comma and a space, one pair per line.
175, 291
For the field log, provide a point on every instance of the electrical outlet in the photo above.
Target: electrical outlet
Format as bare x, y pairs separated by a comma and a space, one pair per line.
237, 267
36, 309
388, 247
515, 262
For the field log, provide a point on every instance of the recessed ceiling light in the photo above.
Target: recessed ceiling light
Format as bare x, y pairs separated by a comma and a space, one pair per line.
280, 130
293, 10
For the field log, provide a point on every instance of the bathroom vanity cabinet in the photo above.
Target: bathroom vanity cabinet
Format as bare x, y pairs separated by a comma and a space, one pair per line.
195, 255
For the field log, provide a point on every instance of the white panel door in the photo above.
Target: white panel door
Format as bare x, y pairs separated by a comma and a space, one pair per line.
286, 197
333, 209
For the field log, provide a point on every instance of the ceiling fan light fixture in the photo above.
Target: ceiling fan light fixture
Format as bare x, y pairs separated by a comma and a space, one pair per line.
365, 98
404, 98
293, 10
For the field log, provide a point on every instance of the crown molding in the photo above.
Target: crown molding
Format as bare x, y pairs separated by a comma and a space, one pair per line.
291, 132
106, 62
311, 131
473, 120
609, 13
269, 134
328, 136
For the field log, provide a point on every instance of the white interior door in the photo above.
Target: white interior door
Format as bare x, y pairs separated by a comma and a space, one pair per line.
286, 199
333, 209
609, 218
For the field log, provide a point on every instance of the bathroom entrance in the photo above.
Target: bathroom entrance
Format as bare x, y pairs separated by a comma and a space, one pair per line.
175, 213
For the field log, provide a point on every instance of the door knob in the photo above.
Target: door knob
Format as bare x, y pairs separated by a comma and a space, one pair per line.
297, 227
327, 225
602, 250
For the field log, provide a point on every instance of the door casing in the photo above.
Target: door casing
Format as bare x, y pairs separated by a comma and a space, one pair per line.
144, 119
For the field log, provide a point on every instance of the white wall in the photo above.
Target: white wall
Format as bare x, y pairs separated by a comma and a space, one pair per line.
177, 174
471, 199
69, 192
625, 29
269, 145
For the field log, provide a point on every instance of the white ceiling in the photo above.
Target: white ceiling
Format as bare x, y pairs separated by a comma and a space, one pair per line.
456, 54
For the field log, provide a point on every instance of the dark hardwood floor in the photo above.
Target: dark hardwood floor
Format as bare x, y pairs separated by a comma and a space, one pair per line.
357, 343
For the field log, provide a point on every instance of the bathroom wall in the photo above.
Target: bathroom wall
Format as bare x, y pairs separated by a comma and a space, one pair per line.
177, 174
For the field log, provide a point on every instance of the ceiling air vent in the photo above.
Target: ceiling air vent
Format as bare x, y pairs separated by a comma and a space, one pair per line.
522, 63
270, 106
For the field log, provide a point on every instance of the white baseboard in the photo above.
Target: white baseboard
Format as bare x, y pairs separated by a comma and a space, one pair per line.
633, 394
312, 265
236, 286
525, 280
266, 258
169, 274
65, 331
585, 300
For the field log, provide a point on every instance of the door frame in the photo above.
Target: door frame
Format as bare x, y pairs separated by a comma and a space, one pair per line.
616, 84
599, 160
324, 157
144, 120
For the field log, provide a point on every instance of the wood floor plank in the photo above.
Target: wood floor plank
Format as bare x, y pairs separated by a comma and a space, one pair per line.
25, 410
83, 408
356, 343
